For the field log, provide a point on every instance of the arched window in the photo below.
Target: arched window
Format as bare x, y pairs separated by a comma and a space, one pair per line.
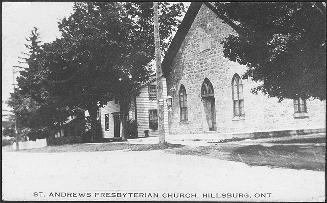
183, 103
207, 89
238, 100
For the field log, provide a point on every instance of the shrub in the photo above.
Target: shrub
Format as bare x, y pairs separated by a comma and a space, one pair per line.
86, 136
9, 141
64, 140
131, 129
38, 134
8, 132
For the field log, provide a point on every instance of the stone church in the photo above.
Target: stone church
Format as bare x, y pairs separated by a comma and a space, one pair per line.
208, 92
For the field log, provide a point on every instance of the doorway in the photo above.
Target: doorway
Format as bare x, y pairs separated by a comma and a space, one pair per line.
208, 100
116, 125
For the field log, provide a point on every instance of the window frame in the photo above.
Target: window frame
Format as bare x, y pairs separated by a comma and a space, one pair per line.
152, 90
298, 103
207, 89
237, 96
153, 123
106, 122
183, 104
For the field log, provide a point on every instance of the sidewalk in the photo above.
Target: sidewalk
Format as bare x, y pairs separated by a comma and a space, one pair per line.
206, 139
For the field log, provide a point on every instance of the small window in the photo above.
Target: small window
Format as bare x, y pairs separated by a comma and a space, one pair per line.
116, 101
300, 105
237, 94
152, 92
98, 114
106, 122
153, 119
183, 103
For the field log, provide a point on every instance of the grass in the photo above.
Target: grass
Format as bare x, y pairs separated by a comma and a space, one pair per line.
292, 156
302, 140
102, 147
308, 157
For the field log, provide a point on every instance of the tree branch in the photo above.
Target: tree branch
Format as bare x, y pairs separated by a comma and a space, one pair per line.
241, 31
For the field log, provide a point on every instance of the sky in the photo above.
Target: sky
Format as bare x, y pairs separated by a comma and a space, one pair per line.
18, 19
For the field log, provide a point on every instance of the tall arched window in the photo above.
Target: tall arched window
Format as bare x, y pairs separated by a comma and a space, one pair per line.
238, 100
183, 103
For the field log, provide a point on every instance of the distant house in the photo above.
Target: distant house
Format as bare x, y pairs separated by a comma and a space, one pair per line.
143, 110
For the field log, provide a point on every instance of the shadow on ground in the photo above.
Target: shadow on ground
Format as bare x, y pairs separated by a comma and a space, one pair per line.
310, 156
92, 147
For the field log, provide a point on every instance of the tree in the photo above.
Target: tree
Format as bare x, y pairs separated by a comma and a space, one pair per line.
31, 102
283, 44
103, 54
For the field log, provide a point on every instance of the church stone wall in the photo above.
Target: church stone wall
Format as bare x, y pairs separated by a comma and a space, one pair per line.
201, 56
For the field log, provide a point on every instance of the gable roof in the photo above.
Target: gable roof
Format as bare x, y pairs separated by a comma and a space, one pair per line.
179, 37
183, 29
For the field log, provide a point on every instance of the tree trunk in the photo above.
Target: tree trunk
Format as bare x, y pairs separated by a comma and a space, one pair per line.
124, 108
93, 115
60, 135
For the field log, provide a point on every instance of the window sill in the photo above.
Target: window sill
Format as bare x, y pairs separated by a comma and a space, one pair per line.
184, 122
238, 118
301, 115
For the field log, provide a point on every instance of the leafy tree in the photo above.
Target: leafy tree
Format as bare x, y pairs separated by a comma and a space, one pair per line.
283, 44
33, 107
104, 52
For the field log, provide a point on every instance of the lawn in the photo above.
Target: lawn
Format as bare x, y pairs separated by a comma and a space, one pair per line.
112, 146
297, 156
287, 156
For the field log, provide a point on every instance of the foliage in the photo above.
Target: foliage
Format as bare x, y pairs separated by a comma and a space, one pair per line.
8, 127
10, 132
38, 134
64, 140
131, 129
283, 44
33, 106
8, 141
104, 52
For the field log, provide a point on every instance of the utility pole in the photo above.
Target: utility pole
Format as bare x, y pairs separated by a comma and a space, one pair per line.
161, 126
16, 131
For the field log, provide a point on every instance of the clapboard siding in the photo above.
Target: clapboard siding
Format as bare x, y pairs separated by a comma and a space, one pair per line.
143, 105
110, 108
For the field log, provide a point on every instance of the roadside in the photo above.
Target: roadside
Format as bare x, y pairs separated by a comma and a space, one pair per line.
156, 171
294, 152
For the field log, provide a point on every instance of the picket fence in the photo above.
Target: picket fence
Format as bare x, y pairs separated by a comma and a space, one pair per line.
38, 143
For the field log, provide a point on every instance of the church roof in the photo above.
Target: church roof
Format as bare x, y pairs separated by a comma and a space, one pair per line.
183, 29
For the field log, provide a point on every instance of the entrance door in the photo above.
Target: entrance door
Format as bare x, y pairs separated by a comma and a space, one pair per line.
208, 100
209, 109
116, 125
